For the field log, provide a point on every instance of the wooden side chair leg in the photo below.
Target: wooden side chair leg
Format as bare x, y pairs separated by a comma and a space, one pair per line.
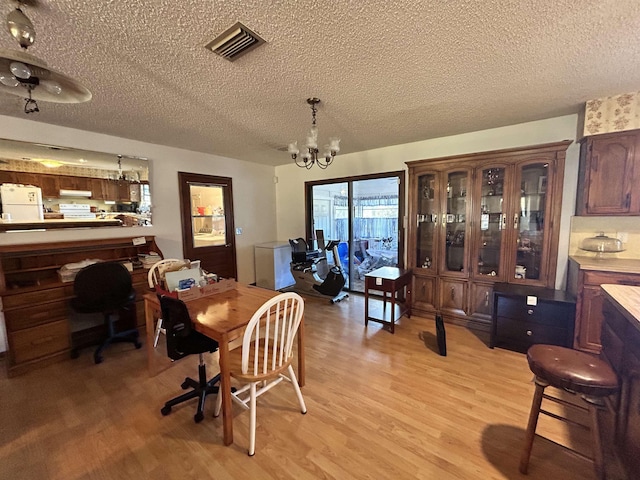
531, 426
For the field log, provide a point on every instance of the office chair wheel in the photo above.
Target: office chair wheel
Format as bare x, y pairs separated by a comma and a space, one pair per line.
198, 417
165, 411
97, 359
138, 345
185, 384
74, 353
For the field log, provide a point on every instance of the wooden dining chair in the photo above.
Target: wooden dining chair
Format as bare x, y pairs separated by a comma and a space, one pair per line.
154, 278
266, 354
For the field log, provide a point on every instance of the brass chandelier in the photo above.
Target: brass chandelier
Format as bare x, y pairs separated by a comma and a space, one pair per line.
309, 156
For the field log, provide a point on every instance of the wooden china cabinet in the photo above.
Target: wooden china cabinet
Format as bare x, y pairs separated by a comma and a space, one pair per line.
483, 218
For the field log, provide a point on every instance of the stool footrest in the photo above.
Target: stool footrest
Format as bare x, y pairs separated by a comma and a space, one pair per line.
564, 419
565, 402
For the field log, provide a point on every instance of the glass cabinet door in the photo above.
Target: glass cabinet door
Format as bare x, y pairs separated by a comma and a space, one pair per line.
455, 221
492, 222
427, 221
529, 222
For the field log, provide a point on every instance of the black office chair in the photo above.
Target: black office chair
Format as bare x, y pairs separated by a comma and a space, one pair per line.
106, 288
182, 340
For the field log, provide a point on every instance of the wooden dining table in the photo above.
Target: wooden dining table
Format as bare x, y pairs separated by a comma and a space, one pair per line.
223, 317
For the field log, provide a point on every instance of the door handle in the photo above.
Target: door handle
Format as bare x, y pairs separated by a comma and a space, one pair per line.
486, 299
453, 294
515, 221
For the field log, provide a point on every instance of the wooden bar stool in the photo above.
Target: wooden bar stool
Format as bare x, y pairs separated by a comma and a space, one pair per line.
576, 372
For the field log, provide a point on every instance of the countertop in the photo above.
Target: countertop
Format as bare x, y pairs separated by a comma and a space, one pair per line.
58, 223
626, 299
622, 265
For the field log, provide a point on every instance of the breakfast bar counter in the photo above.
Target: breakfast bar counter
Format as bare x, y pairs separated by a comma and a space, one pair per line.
621, 347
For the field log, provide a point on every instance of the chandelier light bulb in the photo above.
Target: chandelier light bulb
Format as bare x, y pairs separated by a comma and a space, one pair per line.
51, 87
20, 70
293, 149
8, 80
334, 144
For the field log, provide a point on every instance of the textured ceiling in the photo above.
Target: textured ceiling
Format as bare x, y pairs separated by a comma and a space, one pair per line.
388, 72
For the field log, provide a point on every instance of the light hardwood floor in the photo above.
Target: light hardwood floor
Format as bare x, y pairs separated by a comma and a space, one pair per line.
379, 406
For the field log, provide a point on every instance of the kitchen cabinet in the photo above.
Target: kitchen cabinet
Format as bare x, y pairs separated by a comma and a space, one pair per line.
609, 175
7, 176
35, 302
524, 316
50, 186
74, 183
483, 218
585, 275
98, 187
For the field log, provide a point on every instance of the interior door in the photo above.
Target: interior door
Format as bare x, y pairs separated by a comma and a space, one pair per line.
206, 208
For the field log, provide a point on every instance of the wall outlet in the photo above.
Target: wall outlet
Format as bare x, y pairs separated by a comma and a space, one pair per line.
622, 236
238, 230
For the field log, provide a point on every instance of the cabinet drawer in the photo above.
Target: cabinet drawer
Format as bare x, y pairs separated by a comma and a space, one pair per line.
39, 341
552, 314
598, 278
39, 296
37, 315
522, 335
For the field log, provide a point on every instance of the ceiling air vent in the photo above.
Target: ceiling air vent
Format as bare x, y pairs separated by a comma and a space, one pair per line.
235, 42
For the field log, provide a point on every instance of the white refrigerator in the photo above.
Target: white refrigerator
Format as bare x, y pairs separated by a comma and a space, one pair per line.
21, 202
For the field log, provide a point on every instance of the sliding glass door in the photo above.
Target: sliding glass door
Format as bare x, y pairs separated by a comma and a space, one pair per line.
363, 214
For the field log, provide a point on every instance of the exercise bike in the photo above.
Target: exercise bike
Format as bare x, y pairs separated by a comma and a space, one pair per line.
312, 274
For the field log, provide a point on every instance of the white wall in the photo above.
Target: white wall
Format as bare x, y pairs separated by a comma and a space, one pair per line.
253, 190
290, 186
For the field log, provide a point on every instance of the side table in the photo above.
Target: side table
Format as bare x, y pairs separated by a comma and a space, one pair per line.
395, 285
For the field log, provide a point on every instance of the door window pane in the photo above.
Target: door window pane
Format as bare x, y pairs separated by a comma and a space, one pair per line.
208, 215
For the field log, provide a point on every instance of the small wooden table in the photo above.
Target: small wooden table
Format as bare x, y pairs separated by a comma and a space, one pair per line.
223, 318
393, 281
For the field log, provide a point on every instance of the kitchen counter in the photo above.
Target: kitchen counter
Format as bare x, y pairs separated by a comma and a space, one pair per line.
620, 265
57, 223
621, 347
627, 300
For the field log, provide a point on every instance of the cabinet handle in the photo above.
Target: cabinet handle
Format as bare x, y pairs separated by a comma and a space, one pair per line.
529, 333
486, 299
627, 202
503, 220
424, 290
530, 311
453, 294
515, 221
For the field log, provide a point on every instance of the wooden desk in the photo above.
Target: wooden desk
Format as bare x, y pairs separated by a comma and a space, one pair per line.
223, 317
392, 281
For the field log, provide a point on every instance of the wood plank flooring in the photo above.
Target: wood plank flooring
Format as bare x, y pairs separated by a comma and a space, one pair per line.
380, 406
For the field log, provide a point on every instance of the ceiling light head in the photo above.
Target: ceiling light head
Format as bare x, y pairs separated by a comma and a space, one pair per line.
28, 77
21, 28
51, 163
309, 156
